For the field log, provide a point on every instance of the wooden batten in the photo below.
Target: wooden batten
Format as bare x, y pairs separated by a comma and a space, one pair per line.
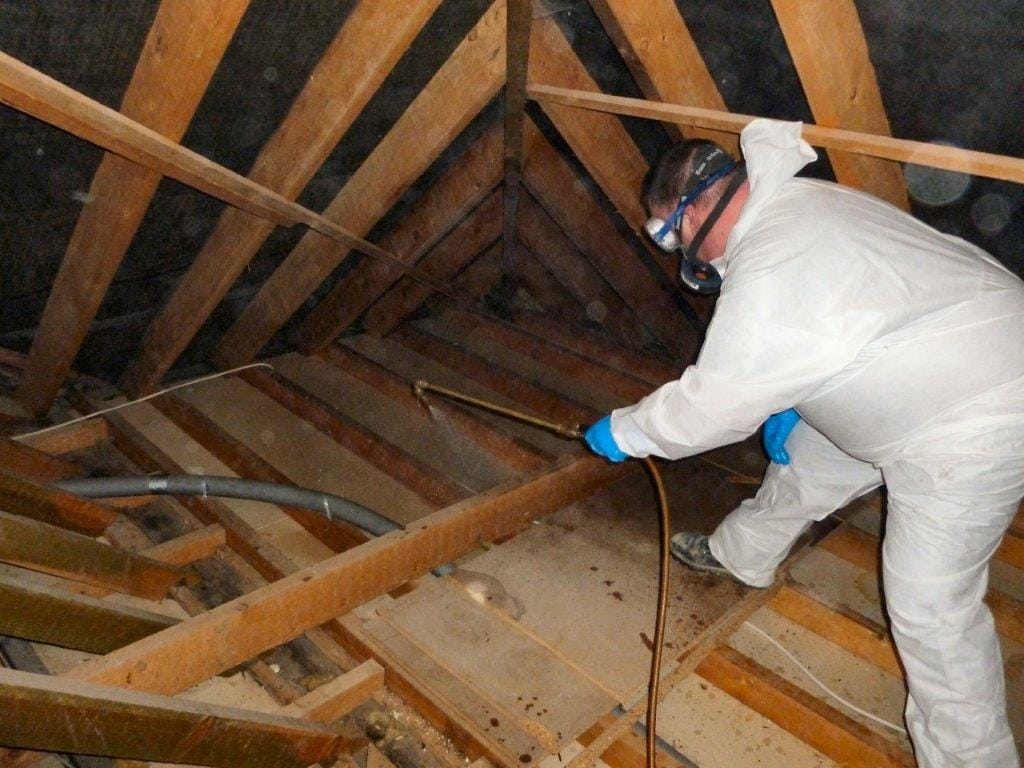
454, 196
32, 464
532, 272
366, 48
77, 437
455, 95
48, 549
340, 696
826, 41
58, 617
31, 500
458, 248
42, 712
903, 150
184, 46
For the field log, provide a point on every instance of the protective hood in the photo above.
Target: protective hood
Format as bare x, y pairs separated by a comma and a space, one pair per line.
774, 153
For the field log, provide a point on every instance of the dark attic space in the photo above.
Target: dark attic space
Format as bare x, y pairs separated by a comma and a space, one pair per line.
511, 383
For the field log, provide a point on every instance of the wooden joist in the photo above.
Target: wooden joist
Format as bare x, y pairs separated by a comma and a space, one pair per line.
77, 437
461, 88
373, 38
51, 713
245, 627
448, 201
184, 46
458, 248
28, 499
826, 41
903, 150
40, 547
831, 732
32, 464
656, 45
509, 449
58, 617
339, 696
391, 459
553, 183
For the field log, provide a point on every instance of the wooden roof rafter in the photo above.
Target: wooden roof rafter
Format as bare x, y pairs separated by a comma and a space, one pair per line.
185, 45
462, 87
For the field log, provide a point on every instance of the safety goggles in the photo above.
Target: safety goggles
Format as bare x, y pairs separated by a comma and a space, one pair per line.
665, 233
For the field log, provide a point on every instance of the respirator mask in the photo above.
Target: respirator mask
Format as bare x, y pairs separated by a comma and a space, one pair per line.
697, 275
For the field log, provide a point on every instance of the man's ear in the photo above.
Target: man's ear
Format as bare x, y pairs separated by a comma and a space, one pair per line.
689, 224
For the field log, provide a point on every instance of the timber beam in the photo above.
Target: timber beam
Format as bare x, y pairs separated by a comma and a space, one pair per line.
56, 714
48, 505
242, 628
47, 614
45, 548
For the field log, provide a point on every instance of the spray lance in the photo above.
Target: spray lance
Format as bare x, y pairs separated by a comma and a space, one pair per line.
575, 432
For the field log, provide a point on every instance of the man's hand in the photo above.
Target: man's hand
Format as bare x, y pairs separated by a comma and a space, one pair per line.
776, 430
599, 439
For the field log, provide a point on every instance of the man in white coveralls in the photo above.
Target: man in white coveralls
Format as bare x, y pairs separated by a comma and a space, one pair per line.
894, 354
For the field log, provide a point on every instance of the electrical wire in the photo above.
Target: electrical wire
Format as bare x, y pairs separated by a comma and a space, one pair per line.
88, 416
820, 684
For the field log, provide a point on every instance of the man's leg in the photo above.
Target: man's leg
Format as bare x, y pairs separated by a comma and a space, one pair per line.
948, 510
820, 478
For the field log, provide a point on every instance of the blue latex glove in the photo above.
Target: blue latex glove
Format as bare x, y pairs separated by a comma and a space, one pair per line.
776, 430
599, 439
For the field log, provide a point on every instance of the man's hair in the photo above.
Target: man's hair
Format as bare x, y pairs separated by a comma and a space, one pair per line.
672, 175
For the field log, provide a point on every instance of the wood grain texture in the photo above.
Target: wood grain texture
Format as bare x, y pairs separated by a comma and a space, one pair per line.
826, 42
461, 88
182, 51
38, 502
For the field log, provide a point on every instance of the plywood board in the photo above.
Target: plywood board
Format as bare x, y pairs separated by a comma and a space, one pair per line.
539, 692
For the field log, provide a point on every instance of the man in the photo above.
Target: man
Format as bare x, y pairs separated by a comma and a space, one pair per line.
902, 349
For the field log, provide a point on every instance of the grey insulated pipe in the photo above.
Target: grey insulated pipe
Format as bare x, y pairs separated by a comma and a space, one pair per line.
331, 506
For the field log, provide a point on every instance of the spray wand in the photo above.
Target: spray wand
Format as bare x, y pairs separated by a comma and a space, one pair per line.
575, 432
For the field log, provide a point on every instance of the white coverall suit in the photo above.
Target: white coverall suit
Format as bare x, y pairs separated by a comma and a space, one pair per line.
903, 351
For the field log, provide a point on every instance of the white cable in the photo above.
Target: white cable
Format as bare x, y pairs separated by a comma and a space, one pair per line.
824, 687
143, 399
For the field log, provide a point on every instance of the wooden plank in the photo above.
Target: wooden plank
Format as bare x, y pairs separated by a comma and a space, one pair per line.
48, 549
809, 719
452, 254
594, 347
339, 696
479, 280
903, 150
51, 713
826, 42
32, 464
77, 437
189, 547
184, 46
461, 88
1011, 551
243, 461
555, 186
662, 56
58, 617
393, 460
619, 384
242, 628
23, 497
861, 549
366, 48
459, 190
539, 233
852, 633
540, 400
531, 272
509, 449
